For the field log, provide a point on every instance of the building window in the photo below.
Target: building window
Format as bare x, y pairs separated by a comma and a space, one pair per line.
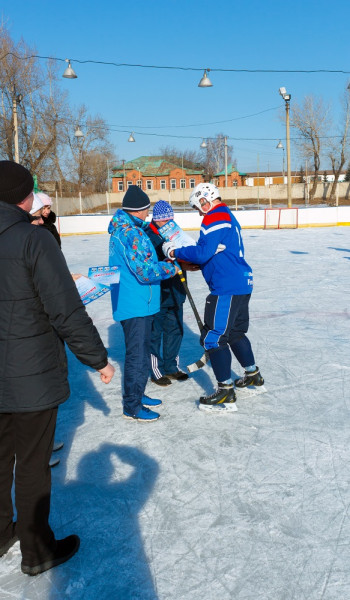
182, 184
173, 184
149, 184
234, 183
192, 183
139, 183
120, 186
129, 183
162, 184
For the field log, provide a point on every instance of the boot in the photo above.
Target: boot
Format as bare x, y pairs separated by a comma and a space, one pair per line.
64, 550
250, 378
224, 394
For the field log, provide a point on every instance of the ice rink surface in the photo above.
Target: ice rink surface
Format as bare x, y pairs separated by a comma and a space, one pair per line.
252, 505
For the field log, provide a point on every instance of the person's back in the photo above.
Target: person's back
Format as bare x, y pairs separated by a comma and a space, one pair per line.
40, 309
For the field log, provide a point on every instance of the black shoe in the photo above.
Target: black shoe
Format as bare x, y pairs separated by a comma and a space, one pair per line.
65, 549
224, 394
178, 376
162, 381
6, 547
249, 378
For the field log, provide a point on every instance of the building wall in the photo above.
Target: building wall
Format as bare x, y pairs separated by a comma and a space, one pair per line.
157, 183
263, 180
233, 179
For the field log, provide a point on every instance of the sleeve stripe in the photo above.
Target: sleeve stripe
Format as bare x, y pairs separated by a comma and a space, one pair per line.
215, 228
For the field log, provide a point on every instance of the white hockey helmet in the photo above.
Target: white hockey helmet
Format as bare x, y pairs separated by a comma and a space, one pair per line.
207, 191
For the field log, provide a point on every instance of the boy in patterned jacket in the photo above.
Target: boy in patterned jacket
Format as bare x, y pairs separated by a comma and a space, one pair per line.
220, 255
137, 298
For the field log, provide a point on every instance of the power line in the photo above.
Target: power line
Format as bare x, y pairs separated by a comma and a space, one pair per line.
175, 68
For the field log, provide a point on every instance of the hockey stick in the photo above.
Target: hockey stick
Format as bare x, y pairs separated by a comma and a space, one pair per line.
198, 364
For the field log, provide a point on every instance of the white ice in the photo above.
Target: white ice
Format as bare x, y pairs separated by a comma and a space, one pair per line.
253, 505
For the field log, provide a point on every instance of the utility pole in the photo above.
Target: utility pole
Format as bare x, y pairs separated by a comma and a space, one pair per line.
124, 176
286, 97
16, 99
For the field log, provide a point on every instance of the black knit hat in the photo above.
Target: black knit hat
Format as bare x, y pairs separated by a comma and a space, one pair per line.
16, 183
135, 199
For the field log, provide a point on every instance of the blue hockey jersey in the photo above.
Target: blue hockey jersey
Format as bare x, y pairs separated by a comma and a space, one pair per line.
225, 272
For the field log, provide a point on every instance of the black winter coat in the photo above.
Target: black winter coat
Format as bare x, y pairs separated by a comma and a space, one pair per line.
40, 309
49, 224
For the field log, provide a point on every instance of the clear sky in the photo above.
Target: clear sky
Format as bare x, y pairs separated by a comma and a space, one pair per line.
162, 103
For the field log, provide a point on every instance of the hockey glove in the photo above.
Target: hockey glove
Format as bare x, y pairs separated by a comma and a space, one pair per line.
167, 248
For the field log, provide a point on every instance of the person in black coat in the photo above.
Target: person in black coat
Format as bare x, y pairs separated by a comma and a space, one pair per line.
49, 217
40, 310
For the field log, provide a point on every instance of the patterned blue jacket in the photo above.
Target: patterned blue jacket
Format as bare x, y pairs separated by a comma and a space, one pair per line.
225, 272
138, 293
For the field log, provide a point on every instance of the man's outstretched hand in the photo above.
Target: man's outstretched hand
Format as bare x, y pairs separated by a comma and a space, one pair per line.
107, 373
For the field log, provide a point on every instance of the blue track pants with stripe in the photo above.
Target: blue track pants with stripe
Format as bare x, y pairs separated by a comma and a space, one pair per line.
226, 321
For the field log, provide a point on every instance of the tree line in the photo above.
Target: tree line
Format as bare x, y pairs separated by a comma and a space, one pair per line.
47, 123
320, 138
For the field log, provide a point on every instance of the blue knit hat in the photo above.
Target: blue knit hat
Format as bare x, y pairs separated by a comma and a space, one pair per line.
162, 210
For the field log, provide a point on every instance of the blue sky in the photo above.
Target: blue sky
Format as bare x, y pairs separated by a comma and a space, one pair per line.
218, 35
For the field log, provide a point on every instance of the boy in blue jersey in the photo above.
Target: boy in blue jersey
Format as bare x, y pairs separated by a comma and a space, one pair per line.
220, 254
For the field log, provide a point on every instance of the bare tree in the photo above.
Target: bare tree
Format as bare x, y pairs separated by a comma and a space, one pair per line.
338, 150
214, 155
46, 124
311, 121
190, 159
24, 85
86, 162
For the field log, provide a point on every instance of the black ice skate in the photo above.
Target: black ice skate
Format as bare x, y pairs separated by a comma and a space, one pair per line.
220, 401
250, 378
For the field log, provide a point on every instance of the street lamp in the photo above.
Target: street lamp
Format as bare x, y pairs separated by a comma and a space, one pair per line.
78, 132
69, 73
286, 97
204, 144
280, 145
205, 81
131, 137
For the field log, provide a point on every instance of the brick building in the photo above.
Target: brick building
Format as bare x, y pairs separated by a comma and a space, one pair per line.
234, 177
154, 173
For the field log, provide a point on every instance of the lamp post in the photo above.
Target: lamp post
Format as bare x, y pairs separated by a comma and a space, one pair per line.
286, 97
